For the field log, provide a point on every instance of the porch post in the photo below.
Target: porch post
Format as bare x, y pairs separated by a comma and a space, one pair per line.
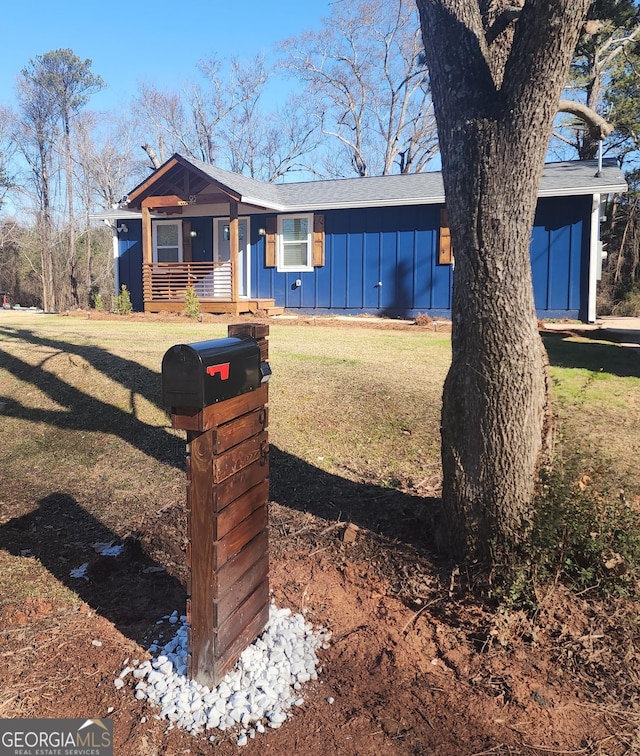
234, 248
147, 255
147, 244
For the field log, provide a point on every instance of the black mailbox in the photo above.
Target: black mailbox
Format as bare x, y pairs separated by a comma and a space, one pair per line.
197, 375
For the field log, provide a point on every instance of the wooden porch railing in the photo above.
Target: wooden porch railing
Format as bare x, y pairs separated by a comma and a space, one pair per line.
168, 281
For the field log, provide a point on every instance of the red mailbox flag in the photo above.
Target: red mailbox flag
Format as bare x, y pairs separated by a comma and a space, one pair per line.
222, 370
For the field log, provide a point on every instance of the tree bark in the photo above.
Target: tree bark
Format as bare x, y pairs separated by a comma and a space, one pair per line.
495, 97
46, 265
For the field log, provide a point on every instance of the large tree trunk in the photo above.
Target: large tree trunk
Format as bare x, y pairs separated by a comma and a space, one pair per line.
495, 403
495, 95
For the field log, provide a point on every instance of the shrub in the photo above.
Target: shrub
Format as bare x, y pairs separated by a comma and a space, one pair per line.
422, 319
98, 302
584, 536
630, 305
123, 302
191, 303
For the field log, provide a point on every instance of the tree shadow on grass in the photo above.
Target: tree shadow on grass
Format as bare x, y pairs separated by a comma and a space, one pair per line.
294, 483
60, 532
390, 513
128, 373
595, 351
131, 590
82, 411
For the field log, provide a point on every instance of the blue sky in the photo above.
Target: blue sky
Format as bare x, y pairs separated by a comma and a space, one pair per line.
158, 42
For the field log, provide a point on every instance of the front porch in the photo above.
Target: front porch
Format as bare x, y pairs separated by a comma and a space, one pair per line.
218, 276
165, 285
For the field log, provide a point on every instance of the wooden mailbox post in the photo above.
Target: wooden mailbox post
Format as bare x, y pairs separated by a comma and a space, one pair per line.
227, 550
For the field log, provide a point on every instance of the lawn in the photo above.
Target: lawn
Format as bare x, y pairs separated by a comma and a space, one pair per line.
89, 456
354, 412
81, 397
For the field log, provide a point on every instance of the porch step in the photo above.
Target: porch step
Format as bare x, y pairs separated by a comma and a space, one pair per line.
267, 307
268, 310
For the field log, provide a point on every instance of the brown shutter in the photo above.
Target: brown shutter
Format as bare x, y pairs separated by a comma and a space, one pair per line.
187, 241
270, 250
147, 235
445, 252
318, 241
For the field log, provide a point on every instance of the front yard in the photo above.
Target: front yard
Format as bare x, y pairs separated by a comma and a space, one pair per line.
422, 658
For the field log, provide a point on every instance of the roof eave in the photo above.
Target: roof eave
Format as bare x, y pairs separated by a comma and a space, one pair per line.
264, 204
438, 199
350, 205
584, 190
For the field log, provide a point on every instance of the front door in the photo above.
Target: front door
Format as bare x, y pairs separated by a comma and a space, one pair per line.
222, 250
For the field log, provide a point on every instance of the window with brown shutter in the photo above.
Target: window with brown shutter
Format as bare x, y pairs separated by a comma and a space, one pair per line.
291, 245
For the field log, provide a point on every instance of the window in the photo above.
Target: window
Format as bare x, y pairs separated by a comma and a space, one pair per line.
295, 242
167, 241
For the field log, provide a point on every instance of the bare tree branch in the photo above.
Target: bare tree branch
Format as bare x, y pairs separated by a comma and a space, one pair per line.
152, 155
599, 128
368, 85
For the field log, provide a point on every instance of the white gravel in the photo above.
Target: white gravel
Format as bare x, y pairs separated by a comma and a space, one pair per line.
261, 691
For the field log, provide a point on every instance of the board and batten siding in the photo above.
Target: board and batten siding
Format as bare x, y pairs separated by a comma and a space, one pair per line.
130, 262
384, 261
560, 257
377, 260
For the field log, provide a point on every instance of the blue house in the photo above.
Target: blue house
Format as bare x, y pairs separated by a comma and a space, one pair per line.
376, 245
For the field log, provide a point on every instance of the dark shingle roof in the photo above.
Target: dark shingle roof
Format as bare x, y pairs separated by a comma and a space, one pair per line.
558, 179
248, 188
581, 177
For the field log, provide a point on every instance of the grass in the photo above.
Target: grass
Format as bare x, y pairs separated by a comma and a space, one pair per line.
597, 398
361, 403
80, 419
30, 580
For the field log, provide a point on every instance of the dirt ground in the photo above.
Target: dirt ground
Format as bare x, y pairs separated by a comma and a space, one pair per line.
421, 661
418, 664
